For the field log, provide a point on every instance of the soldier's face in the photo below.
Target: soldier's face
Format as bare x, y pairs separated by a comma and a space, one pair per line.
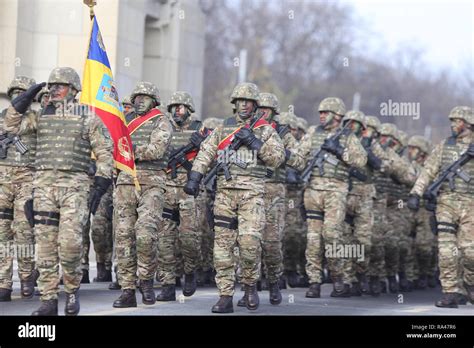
127, 108
413, 153
143, 104
245, 107
16, 92
386, 140
369, 132
267, 113
180, 113
457, 126
355, 127
58, 92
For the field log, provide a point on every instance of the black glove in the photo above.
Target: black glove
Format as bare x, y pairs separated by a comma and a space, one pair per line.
192, 185
287, 155
373, 161
248, 138
413, 202
292, 176
333, 147
100, 187
197, 138
23, 101
470, 150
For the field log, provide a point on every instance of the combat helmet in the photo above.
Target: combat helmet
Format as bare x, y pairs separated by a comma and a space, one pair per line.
462, 112
65, 75
269, 100
373, 121
245, 90
146, 88
333, 104
181, 98
419, 141
355, 116
20, 82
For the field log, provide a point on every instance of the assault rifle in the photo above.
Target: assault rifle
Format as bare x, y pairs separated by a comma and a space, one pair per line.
7, 139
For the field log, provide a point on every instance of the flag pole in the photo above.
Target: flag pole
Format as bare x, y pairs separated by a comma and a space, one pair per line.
91, 4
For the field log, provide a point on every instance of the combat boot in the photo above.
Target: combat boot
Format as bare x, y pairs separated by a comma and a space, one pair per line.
392, 284
314, 291
282, 283
356, 289
114, 286
461, 299
148, 295
224, 305
168, 293
383, 286
252, 301
422, 282
103, 275
375, 286
36, 275
190, 285
340, 289
364, 284
127, 299
72, 303
292, 278
5, 295
470, 292
449, 300
27, 287
431, 281
303, 281
48, 307
85, 277
275, 294
242, 302
403, 282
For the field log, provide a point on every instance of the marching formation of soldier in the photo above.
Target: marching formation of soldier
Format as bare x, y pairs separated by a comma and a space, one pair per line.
259, 199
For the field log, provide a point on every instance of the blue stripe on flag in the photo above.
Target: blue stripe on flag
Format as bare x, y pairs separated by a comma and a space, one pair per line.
97, 47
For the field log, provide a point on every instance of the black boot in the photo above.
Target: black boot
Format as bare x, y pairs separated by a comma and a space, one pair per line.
103, 275
49, 307
470, 292
224, 305
422, 282
432, 281
403, 282
190, 285
127, 299
72, 303
200, 281
35, 275
364, 284
275, 294
449, 300
258, 286
392, 284
85, 277
114, 286
292, 278
282, 283
242, 302
148, 295
340, 289
178, 282
461, 299
251, 294
356, 289
375, 286
168, 293
28, 287
383, 286
314, 291
303, 281
5, 295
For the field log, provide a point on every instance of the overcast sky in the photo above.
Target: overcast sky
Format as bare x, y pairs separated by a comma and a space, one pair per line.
444, 28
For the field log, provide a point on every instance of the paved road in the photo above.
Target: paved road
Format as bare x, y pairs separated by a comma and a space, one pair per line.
96, 299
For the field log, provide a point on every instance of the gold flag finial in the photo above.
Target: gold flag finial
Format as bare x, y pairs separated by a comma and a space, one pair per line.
91, 4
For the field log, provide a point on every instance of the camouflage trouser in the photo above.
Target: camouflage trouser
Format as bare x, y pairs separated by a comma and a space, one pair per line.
294, 235
206, 224
395, 228
60, 216
424, 243
360, 208
272, 234
377, 251
16, 235
325, 212
407, 242
455, 240
101, 232
137, 216
239, 220
181, 224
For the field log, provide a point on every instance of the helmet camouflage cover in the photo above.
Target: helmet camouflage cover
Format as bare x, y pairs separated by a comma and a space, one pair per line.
419, 141
389, 129
20, 82
463, 112
302, 123
127, 100
402, 137
333, 104
212, 122
373, 121
245, 90
355, 116
65, 75
146, 88
269, 100
181, 98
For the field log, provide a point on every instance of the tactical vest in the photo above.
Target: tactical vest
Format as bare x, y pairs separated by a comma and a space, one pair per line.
141, 136
451, 152
339, 171
14, 158
259, 170
181, 137
368, 172
279, 174
63, 142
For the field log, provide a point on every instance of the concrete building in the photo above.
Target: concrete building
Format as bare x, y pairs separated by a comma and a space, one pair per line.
161, 41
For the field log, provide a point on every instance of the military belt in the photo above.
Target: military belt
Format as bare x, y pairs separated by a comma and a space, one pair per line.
449, 228
171, 214
6, 214
314, 214
226, 222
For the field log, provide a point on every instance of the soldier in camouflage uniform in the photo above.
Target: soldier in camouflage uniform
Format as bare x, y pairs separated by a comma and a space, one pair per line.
128, 109
181, 227
16, 183
274, 199
326, 194
67, 134
137, 214
418, 150
239, 212
455, 221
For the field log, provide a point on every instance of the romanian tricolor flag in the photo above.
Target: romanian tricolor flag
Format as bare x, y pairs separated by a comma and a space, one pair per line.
99, 91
